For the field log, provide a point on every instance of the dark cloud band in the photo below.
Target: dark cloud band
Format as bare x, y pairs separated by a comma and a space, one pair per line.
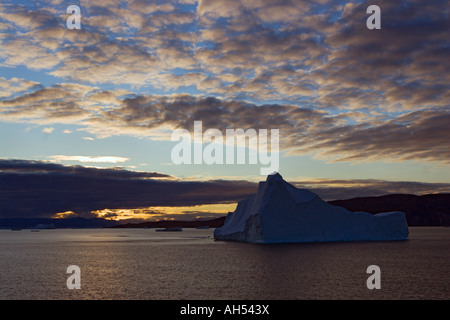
38, 189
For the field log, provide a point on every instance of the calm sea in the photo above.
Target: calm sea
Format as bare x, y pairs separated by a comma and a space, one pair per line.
144, 264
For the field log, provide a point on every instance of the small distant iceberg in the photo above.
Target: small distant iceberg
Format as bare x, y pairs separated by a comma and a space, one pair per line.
170, 229
43, 226
282, 213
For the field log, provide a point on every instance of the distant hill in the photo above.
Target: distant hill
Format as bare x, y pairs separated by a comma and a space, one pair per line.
426, 210
42, 223
28, 223
213, 223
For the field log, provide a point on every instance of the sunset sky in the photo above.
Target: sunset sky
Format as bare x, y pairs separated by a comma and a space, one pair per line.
360, 112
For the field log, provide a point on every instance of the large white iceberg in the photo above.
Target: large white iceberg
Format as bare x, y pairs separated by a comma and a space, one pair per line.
280, 212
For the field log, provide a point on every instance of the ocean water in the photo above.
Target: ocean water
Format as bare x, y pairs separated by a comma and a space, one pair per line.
147, 265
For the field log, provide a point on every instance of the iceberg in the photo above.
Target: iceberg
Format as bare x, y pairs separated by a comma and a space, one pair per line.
282, 213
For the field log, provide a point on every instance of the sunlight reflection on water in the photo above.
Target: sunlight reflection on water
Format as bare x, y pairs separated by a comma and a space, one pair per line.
144, 264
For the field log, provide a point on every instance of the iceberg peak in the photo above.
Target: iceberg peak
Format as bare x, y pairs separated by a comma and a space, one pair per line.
275, 176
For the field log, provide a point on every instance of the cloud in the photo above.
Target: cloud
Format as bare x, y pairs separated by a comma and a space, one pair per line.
335, 189
48, 130
110, 62
335, 89
419, 135
356, 136
416, 136
104, 159
168, 213
60, 103
14, 86
41, 167
23, 51
41, 189
318, 54
218, 8
25, 19
403, 62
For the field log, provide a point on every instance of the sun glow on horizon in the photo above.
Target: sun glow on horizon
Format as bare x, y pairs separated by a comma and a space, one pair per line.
208, 211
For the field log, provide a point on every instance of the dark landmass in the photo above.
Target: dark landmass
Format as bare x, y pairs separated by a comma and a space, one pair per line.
426, 210
76, 223
213, 223
44, 223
